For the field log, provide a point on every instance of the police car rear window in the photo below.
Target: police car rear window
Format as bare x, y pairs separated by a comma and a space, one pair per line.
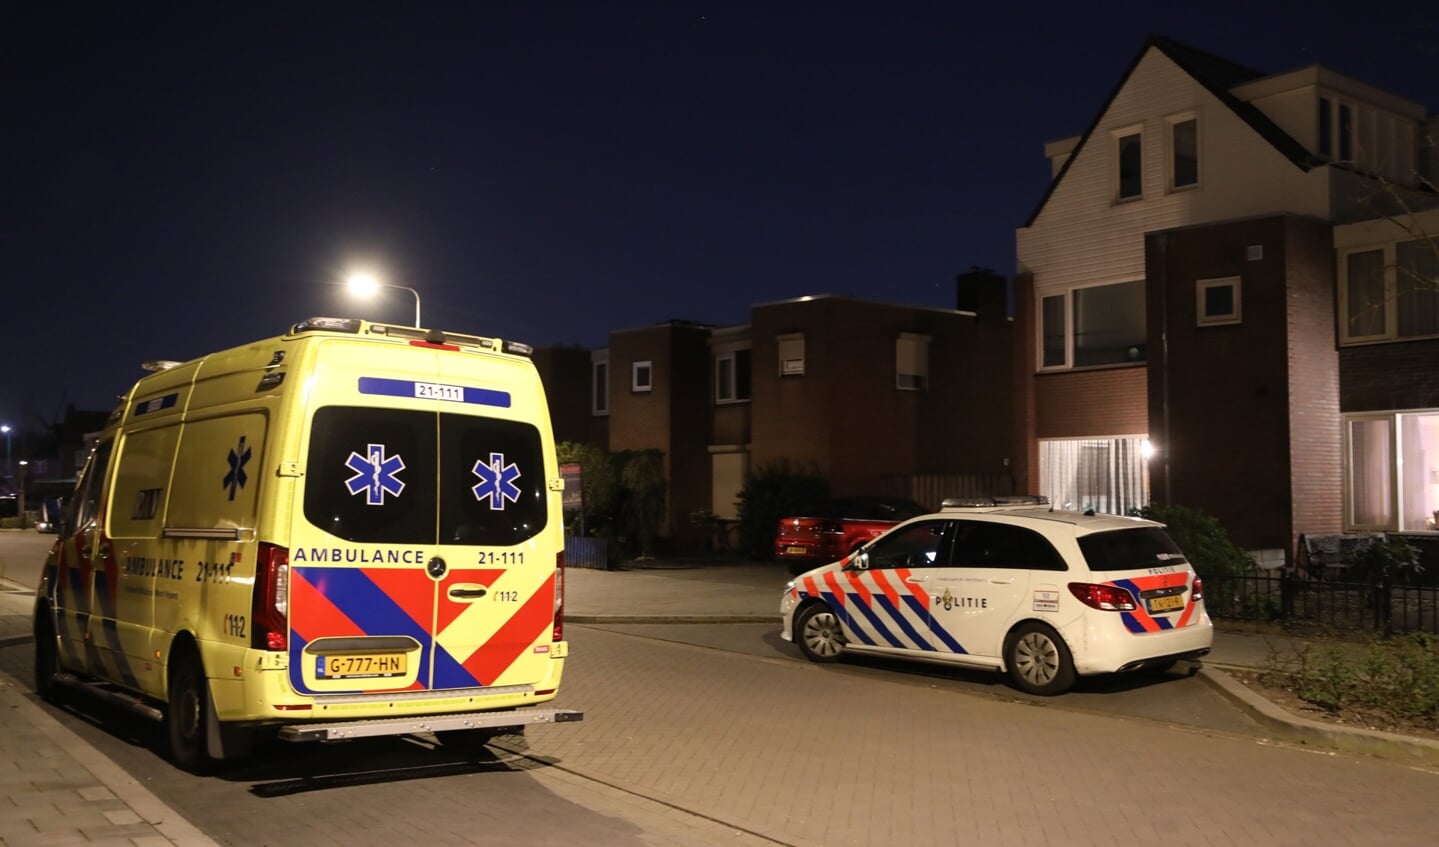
397, 476
1130, 549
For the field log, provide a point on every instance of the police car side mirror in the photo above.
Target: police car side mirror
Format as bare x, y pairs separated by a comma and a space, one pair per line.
858, 561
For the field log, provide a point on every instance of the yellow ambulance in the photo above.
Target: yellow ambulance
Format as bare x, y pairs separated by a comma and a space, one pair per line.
349, 530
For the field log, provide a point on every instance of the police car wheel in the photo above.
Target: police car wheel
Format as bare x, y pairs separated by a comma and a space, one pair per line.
818, 634
47, 658
1038, 660
185, 719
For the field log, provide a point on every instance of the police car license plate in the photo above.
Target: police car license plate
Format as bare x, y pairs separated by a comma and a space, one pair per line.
357, 666
1166, 604
798, 551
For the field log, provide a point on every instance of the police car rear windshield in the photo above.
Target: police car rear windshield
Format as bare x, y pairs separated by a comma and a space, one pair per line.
410, 477
1130, 549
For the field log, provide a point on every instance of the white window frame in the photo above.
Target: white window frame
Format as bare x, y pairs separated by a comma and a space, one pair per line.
911, 362
1389, 252
730, 358
600, 384
1170, 159
1116, 141
642, 385
791, 354
1202, 287
1070, 329
1397, 487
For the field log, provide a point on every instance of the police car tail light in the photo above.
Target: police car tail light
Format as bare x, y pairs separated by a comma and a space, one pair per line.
558, 633
270, 606
1106, 598
1196, 591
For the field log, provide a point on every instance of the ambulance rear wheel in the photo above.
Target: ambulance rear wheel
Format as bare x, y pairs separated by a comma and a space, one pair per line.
47, 657
818, 634
186, 719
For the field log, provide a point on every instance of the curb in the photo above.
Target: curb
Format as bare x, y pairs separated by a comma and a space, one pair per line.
642, 619
1369, 742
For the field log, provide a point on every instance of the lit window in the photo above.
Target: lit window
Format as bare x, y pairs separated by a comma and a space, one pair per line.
642, 376
911, 359
1217, 301
791, 354
1109, 324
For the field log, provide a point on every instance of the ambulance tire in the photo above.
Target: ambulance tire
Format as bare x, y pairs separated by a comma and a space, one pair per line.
47, 658
188, 713
818, 634
1038, 660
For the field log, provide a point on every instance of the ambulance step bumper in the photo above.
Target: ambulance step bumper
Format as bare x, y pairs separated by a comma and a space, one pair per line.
346, 730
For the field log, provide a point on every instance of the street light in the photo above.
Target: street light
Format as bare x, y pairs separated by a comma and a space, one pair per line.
366, 285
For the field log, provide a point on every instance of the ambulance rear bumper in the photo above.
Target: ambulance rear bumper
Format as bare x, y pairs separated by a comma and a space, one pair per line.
346, 730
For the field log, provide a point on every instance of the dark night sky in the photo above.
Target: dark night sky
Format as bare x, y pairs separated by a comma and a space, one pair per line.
178, 179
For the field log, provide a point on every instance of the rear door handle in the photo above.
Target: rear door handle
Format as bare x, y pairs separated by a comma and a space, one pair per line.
468, 592
1009, 581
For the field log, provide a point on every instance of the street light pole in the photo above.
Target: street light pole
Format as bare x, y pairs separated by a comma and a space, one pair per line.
5, 428
364, 284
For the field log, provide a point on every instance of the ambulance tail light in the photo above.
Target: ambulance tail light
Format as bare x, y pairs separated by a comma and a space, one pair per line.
270, 608
558, 634
1106, 598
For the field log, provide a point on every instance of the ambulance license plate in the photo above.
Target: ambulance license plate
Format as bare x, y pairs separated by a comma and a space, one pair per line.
798, 551
1171, 603
361, 666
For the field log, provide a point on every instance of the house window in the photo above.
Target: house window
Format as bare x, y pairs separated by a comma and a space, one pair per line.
1109, 324
1392, 467
1217, 301
600, 383
1390, 292
1128, 160
1104, 325
1052, 316
642, 376
1109, 475
732, 377
791, 354
1183, 152
911, 362
1326, 126
1346, 132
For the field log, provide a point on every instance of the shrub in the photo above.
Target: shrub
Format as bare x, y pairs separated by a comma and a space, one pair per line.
1203, 540
598, 481
770, 493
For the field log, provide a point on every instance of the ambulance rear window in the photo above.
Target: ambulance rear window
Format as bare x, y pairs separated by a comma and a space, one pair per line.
397, 476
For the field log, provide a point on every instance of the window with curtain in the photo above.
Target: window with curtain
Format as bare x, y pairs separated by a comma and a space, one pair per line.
1108, 475
1364, 294
1371, 462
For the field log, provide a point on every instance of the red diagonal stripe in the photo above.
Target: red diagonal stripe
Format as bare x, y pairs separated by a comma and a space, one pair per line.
410, 589
519, 632
315, 611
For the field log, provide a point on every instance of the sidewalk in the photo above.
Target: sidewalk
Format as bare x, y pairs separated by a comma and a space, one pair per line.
61, 791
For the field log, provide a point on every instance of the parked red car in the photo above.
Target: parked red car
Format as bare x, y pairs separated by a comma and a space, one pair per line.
835, 528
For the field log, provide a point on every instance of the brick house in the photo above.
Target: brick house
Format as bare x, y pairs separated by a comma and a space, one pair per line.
1186, 332
863, 392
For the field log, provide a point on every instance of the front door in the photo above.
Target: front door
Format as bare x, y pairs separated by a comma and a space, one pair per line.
886, 588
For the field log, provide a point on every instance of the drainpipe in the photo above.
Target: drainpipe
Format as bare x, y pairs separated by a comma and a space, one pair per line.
1163, 247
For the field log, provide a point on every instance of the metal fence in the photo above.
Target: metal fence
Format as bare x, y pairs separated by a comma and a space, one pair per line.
1298, 601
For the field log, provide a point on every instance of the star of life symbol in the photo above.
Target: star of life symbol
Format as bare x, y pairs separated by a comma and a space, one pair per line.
497, 481
236, 478
375, 474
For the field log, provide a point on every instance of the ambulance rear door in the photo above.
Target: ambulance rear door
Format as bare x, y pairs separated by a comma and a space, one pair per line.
421, 557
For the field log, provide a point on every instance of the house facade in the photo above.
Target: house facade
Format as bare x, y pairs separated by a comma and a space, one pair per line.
1182, 334
865, 393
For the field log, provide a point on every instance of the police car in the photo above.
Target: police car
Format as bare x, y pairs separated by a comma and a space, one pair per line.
1009, 584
